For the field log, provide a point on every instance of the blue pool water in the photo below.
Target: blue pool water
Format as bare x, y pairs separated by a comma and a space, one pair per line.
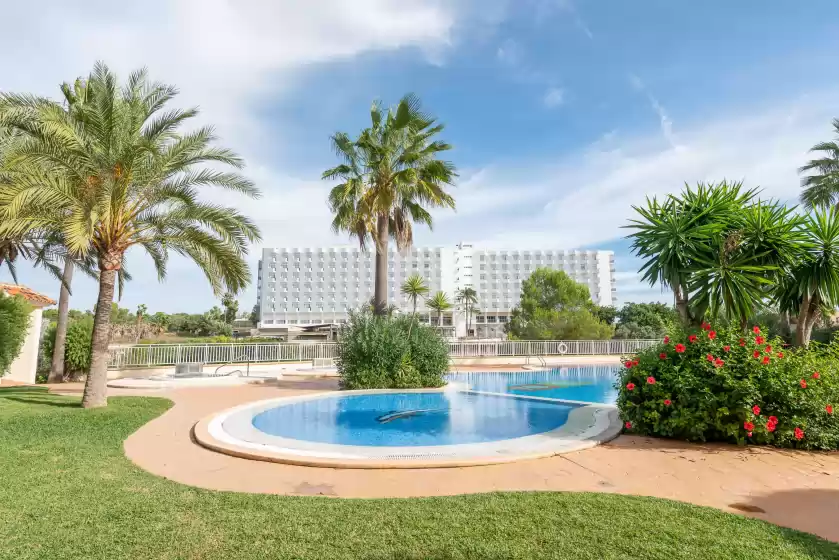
594, 384
412, 419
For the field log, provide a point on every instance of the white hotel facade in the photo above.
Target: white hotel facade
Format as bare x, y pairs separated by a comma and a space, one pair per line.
308, 286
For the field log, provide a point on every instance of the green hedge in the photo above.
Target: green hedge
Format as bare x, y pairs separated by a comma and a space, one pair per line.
386, 353
14, 322
77, 348
733, 387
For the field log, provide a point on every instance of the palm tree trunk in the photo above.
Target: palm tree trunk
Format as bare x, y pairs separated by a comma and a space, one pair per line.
95, 387
802, 338
380, 290
681, 300
57, 368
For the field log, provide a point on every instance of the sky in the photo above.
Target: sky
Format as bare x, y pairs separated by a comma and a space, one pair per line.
563, 114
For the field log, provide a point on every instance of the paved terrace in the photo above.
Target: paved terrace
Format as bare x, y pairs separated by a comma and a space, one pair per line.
790, 488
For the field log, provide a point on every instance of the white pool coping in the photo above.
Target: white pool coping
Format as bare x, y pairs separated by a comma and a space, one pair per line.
232, 431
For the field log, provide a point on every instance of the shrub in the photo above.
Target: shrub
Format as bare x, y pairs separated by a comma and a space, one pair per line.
77, 348
14, 322
385, 353
733, 387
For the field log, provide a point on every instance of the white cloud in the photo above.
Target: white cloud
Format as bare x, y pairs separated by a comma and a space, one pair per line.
509, 53
554, 97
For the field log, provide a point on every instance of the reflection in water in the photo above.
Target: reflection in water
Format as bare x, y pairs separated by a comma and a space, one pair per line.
417, 419
578, 383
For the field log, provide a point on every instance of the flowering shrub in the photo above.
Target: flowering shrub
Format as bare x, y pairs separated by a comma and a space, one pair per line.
719, 385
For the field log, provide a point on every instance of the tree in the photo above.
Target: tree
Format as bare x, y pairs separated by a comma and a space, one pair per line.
122, 176
141, 312
231, 307
414, 287
390, 176
813, 285
440, 303
606, 313
645, 320
555, 307
469, 298
718, 247
254, 315
821, 185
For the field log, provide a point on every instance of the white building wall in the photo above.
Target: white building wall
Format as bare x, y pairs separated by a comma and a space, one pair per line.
301, 286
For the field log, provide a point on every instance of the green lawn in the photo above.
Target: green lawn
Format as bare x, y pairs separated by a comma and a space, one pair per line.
67, 491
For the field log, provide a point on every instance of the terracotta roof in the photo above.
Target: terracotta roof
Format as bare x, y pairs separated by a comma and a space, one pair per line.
30, 295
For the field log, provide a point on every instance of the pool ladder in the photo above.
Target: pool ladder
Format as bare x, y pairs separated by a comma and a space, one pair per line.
541, 360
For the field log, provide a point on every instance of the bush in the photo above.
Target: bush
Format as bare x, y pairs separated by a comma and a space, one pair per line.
385, 353
77, 348
753, 392
14, 322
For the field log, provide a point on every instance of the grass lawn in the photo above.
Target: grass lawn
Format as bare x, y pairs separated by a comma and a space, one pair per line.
67, 491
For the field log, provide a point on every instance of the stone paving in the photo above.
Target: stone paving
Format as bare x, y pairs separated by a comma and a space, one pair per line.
790, 488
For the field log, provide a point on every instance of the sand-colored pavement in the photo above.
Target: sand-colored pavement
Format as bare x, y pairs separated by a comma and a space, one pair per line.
790, 488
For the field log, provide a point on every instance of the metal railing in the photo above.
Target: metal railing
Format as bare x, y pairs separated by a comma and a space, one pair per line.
156, 355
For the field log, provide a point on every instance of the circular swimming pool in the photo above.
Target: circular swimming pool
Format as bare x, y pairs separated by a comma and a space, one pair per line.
412, 419
406, 429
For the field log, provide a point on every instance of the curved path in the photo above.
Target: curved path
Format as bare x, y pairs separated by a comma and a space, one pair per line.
795, 489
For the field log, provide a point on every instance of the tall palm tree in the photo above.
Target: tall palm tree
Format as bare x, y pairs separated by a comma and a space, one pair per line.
414, 287
439, 303
469, 298
390, 176
141, 313
821, 184
122, 176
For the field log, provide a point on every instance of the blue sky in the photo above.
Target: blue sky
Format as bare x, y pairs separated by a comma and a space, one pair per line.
563, 113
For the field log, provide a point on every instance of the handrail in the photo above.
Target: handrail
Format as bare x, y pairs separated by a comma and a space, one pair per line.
247, 368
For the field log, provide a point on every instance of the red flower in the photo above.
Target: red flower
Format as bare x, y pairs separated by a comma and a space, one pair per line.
742, 342
756, 410
709, 357
635, 362
748, 426
799, 433
768, 349
712, 335
803, 384
780, 354
759, 340
630, 386
829, 409
718, 363
666, 340
628, 425
692, 338
816, 375
756, 329
773, 419
680, 348
662, 356
628, 364
651, 380
770, 426
705, 326
766, 360
726, 348
749, 434
756, 354
668, 402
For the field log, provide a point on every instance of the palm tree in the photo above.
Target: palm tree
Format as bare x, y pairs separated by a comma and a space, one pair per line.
439, 303
122, 176
821, 187
141, 312
414, 287
390, 176
469, 297
813, 285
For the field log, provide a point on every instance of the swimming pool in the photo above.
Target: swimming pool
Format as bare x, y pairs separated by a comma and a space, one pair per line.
412, 419
584, 383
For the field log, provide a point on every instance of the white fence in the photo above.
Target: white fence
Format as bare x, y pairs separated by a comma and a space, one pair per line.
154, 355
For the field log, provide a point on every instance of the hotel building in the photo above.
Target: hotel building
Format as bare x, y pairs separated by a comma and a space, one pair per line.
316, 285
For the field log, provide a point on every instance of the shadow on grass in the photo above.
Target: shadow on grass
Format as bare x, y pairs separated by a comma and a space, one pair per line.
35, 395
46, 401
